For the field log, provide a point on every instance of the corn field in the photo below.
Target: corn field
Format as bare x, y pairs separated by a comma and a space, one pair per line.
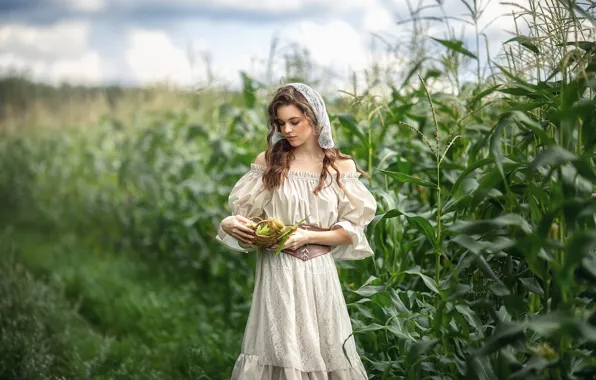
484, 240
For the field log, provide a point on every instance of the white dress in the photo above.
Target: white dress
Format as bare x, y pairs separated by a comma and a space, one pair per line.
298, 319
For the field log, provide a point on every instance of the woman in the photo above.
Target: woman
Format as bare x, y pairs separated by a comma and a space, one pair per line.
298, 320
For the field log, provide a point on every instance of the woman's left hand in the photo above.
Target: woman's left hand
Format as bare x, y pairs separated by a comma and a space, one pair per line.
299, 238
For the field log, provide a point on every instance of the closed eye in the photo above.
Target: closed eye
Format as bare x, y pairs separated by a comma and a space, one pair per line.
279, 123
293, 120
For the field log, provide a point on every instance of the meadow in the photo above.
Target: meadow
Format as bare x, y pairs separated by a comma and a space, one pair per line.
484, 240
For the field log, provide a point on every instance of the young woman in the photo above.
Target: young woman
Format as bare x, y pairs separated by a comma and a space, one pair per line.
298, 320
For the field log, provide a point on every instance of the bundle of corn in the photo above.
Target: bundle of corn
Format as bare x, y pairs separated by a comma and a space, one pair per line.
271, 231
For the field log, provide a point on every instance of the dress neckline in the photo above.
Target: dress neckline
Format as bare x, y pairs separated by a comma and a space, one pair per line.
308, 175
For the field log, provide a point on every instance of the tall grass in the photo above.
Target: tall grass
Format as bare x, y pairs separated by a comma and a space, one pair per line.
485, 264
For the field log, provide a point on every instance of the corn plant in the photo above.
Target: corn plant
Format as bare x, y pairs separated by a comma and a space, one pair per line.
488, 271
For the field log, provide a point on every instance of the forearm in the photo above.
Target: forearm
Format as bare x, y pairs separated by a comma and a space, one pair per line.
338, 236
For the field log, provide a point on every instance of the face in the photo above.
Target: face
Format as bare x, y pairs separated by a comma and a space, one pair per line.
294, 125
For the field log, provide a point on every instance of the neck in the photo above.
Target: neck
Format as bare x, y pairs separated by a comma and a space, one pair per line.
309, 150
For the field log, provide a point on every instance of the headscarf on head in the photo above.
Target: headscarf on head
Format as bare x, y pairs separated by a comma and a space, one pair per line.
318, 106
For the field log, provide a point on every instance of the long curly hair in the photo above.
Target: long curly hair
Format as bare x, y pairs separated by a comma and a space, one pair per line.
279, 156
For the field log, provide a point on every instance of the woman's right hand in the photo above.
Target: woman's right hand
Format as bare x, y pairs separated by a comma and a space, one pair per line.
235, 226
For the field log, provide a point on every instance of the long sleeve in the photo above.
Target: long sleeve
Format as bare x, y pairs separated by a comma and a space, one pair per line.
247, 198
356, 210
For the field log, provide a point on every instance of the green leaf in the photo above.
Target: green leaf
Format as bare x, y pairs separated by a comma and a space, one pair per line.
526, 42
488, 225
559, 324
348, 121
420, 348
580, 245
389, 214
248, 90
415, 221
424, 226
464, 262
498, 288
364, 310
525, 107
470, 243
473, 166
400, 332
580, 329
534, 126
589, 266
429, 282
536, 364
546, 324
584, 45
505, 333
401, 177
481, 95
519, 81
480, 368
397, 301
552, 156
370, 328
458, 291
517, 91
585, 168
566, 61
455, 45
470, 316
479, 246
369, 290
415, 69
495, 143
532, 285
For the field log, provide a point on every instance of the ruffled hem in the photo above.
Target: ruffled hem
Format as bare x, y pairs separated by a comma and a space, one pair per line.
247, 367
358, 250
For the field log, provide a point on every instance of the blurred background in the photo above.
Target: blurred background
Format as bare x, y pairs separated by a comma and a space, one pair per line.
124, 125
202, 43
103, 48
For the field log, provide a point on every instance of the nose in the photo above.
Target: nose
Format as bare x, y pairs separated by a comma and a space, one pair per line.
286, 128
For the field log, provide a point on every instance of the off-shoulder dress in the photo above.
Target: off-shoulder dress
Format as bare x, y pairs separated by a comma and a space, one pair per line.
298, 321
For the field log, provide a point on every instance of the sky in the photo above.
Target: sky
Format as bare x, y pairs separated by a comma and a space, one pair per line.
187, 42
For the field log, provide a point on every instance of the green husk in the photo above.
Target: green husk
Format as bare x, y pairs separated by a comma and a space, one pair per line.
285, 235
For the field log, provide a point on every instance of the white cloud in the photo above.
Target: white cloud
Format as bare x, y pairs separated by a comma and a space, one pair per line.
377, 19
258, 5
61, 41
337, 40
83, 5
84, 68
152, 57
51, 53
335, 44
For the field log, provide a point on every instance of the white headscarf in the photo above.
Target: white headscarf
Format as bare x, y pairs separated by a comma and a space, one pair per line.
318, 105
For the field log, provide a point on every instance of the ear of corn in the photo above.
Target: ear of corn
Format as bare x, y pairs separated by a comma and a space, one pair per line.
272, 231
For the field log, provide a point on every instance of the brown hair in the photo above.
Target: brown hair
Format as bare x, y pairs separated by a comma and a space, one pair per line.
279, 156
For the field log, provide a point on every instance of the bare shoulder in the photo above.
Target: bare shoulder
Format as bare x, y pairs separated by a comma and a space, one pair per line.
346, 165
260, 160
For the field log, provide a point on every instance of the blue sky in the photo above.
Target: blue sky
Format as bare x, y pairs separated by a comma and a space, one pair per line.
142, 41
